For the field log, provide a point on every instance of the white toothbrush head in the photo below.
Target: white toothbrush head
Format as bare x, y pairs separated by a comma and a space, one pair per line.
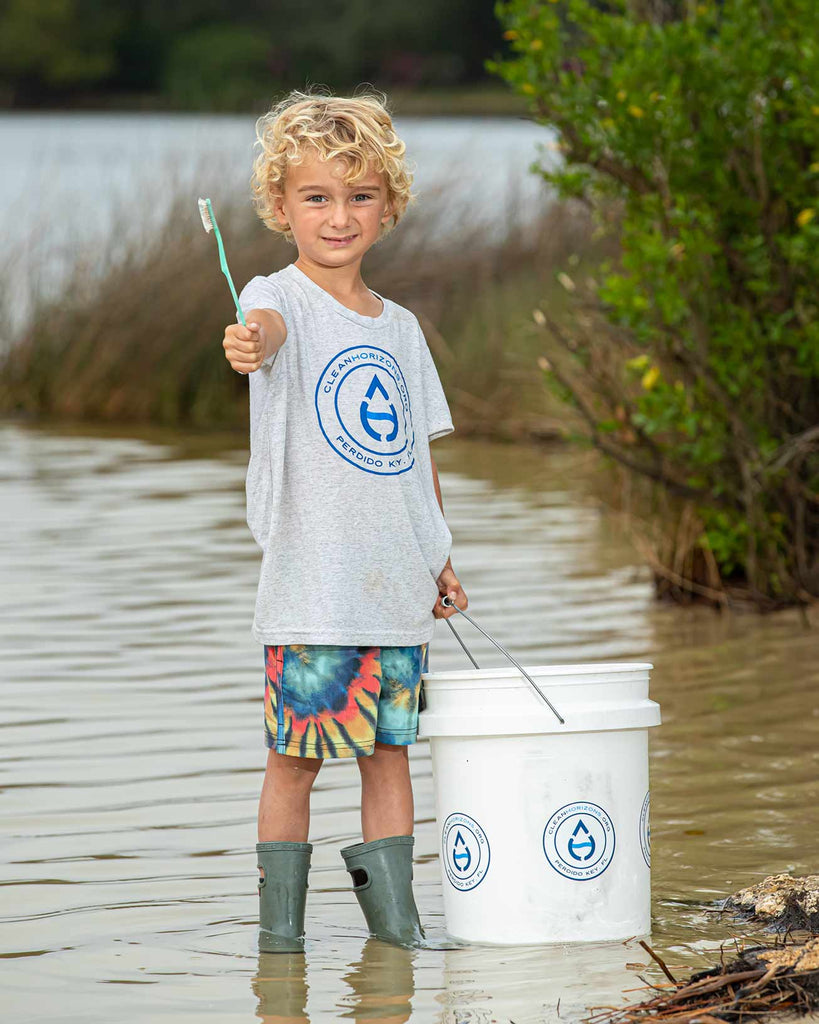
205, 214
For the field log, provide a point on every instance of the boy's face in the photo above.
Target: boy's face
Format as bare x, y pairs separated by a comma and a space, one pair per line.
321, 209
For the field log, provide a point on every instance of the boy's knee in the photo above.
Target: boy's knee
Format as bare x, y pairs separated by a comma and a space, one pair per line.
293, 772
382, 755
391, 749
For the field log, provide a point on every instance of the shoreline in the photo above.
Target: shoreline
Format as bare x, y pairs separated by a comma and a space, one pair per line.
479, 101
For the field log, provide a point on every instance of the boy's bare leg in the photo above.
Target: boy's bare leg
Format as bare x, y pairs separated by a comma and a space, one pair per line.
284, 806
386, 793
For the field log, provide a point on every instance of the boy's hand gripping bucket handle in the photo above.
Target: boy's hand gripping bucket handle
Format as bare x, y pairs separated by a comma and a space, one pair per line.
447, 603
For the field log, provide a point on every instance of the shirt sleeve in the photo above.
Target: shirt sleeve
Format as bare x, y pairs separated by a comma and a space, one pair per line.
438, 416
262, 293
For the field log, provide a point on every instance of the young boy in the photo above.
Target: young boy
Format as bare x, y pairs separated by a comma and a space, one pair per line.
344, 500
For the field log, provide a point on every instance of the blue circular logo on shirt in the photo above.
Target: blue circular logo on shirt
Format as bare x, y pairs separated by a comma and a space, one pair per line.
363, 410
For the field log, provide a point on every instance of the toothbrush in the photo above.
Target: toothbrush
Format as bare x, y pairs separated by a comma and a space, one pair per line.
209, 223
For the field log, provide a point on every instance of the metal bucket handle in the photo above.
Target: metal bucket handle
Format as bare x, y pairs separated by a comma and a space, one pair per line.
447, 603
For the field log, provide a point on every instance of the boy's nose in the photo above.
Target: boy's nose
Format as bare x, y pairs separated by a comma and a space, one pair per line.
338, 218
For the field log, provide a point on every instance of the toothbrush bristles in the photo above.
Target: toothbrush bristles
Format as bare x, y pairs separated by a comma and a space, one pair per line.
204, 213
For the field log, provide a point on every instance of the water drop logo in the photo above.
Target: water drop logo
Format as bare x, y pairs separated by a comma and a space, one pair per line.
579, 841
461, 858
464, 851
577, 847
368, 416
363, 409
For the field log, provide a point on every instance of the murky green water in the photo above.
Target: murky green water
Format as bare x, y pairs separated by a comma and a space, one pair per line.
132, 743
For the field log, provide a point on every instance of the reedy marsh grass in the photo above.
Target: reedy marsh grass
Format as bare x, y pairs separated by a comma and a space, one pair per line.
134, 336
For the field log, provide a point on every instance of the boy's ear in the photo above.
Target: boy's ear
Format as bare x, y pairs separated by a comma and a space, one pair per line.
278, 210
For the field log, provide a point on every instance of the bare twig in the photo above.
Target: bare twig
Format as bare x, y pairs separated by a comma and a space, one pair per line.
658, 959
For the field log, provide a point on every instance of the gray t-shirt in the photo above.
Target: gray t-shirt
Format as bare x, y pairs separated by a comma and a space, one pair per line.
340, 495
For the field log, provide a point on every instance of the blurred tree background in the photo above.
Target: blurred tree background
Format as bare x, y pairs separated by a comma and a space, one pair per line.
217, 55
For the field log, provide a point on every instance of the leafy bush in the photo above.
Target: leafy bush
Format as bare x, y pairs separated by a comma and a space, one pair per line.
692, 131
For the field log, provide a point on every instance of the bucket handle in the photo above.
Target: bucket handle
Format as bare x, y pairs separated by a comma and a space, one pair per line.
448, 603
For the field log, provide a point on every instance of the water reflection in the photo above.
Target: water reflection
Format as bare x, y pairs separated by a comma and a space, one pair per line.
531, 985
382, 984
280, 985
378, 986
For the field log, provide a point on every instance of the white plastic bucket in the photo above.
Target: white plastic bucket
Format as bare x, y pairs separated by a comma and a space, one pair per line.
544, 828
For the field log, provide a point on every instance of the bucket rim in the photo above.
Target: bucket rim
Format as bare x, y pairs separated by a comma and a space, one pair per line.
586, 669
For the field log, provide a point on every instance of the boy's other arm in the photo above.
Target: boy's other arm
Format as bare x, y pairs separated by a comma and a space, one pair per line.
436, 484
246, 348
448, 582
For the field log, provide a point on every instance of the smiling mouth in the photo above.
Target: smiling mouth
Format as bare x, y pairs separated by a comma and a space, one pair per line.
344, 238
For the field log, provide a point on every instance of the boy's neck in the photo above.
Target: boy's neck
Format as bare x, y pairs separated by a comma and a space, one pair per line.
344, 282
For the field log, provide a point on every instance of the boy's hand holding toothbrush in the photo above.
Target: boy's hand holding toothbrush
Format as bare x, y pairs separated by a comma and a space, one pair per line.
247, 346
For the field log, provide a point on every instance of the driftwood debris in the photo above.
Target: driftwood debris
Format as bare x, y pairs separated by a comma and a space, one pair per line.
780, 903
760, 982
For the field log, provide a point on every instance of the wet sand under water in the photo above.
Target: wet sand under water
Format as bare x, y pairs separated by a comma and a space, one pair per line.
133, 750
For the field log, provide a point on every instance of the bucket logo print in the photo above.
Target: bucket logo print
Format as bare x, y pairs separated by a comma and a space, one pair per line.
579, 841
461, 858
586, 842
645, 830
364, 412
464, 851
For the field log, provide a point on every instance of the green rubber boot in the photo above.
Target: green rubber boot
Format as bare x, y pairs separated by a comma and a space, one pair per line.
382, 881
282, 895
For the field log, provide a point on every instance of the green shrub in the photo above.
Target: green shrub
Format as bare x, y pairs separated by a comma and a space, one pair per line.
692, 131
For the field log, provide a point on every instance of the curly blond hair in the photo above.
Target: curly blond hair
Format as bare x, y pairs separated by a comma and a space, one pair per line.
358, 129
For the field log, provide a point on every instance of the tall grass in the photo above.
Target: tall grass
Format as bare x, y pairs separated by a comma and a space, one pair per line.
139, 341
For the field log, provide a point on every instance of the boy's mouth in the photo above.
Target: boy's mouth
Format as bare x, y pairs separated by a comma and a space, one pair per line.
341, 240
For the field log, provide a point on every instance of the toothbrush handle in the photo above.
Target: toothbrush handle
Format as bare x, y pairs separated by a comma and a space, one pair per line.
226, 272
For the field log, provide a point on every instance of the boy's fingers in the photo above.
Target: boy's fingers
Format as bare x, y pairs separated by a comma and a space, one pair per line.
244, 365
241, 333
234, 344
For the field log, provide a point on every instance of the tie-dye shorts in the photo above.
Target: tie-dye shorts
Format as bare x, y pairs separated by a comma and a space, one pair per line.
324, 700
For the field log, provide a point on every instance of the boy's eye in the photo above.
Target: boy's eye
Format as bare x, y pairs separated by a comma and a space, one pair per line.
360, 195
